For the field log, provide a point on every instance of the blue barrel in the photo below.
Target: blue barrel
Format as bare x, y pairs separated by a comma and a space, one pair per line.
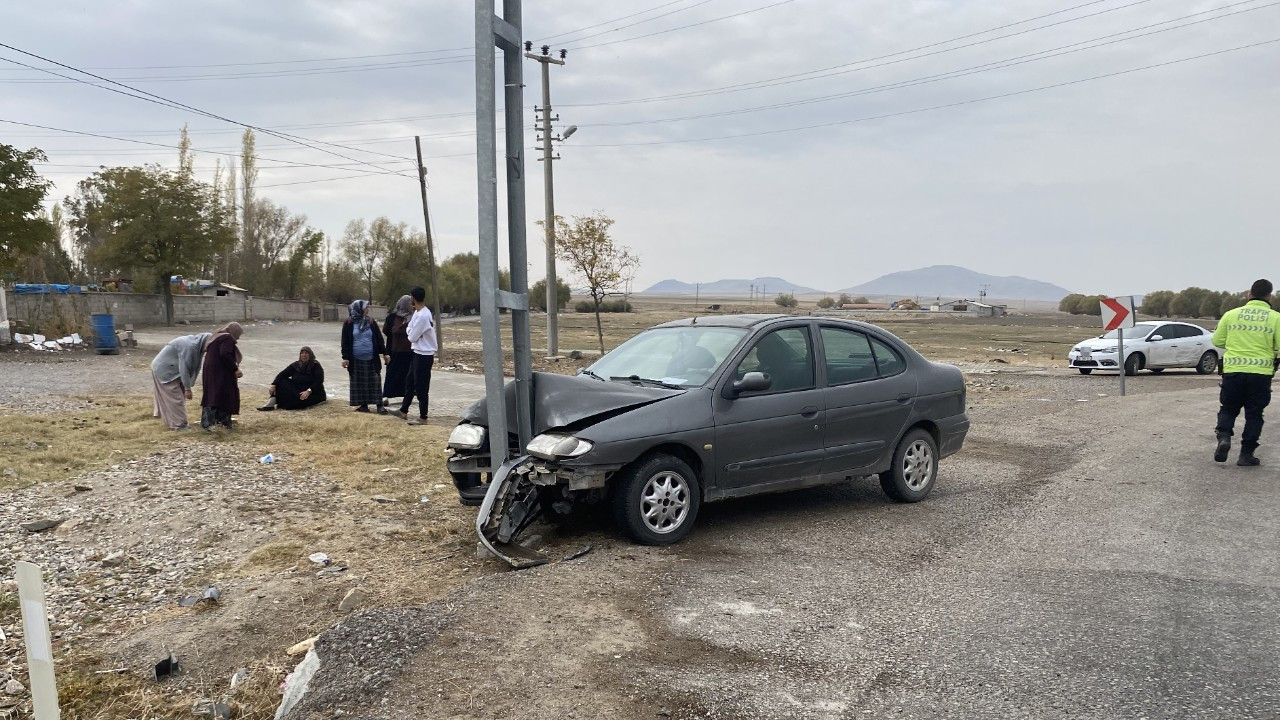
104, 333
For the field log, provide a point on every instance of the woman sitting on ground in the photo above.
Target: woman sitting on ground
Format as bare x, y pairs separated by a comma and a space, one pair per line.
298, 386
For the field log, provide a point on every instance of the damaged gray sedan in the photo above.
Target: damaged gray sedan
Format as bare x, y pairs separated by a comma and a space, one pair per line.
705, 409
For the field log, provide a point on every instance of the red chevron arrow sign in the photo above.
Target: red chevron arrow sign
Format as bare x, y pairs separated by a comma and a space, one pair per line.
1117, 313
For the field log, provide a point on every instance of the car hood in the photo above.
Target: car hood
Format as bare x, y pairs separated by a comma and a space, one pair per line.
1099, 343
561, 401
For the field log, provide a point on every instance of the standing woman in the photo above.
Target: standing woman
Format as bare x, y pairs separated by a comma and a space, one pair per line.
362, 354
174, 373
221, 370
396, 328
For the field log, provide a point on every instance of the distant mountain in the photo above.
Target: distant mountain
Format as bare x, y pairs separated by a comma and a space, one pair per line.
951, 282
770, 285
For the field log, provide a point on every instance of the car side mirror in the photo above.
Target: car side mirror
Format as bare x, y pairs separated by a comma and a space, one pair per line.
1156, 338
751, 382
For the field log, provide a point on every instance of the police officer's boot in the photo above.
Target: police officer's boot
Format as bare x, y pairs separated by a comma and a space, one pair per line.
1247, 459
1224, 447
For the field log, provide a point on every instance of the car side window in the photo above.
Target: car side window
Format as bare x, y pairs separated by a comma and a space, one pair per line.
786, 355
888, 359
848, 356
1166, 332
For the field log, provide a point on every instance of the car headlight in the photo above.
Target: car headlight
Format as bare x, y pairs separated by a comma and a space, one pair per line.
467, 437
555, 446
1113, 348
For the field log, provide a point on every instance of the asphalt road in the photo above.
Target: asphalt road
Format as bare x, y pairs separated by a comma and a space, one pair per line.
1077, 560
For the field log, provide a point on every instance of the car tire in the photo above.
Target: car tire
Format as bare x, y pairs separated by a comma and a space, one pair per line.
1156, 371
1085, 371
656, 500
1133, 364
1208, 363
914, 469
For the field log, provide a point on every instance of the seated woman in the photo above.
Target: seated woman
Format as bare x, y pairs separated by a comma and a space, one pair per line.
298, 386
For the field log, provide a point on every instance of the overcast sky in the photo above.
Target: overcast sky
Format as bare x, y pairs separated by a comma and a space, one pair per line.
1164, 177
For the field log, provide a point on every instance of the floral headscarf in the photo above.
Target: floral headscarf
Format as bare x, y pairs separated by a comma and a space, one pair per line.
356, 314
404, 306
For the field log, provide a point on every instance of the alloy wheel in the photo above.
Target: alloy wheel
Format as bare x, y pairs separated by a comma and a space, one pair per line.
665, 502
917, 465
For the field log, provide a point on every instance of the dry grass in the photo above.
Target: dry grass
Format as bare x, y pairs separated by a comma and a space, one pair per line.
41, 448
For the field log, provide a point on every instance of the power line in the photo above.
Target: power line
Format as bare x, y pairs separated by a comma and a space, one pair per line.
934, 107
157, 99
972, 70
551, 38
303, 72
681, 27
800, 77
639, 22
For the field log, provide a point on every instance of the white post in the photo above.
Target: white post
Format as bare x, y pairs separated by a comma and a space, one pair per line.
1123, 364
6, 335
35, 630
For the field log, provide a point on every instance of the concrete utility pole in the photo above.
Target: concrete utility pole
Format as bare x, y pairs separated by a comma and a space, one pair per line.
548, 191
431, 247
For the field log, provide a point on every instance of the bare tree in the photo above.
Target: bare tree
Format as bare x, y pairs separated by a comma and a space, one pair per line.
364, 249
603, 265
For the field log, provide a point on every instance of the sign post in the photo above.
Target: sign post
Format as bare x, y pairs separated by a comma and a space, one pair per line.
1118, 314
35, 630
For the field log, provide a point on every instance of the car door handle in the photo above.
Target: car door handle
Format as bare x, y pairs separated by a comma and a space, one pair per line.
809, 412
904, 398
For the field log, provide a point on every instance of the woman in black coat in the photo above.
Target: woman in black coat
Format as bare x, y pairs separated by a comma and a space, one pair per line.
298, 386
363, 353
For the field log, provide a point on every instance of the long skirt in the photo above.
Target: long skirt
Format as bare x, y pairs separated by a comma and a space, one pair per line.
366, 383
397, 374
288, 395
170, 403
213, 416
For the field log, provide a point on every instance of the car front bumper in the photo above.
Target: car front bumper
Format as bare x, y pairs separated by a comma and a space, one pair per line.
1095, 360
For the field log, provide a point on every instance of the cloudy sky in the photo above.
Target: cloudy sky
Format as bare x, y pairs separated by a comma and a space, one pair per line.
824, 141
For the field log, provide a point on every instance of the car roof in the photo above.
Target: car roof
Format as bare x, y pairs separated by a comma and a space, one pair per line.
737, 321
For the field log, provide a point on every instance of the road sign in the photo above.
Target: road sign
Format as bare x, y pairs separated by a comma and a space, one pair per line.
1117, 313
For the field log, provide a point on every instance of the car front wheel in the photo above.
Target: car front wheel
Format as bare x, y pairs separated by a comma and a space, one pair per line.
1085, 371
1133, 364
656, 500
914, 469
1208, 363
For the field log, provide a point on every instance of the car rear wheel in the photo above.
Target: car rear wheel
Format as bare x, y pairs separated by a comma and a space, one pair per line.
1085, 371
656, 500
1133, 364
914, 469
1208, 363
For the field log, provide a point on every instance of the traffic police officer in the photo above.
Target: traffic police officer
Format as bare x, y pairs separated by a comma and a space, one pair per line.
1250, 337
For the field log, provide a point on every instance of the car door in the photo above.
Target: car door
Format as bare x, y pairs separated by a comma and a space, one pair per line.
869, 395
1163, 352
774, 435
1191, 345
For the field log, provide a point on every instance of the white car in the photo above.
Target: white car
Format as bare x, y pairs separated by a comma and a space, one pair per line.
1151, 345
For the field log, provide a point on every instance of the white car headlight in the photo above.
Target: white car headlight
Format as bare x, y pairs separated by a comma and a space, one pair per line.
555, 446
1113, 348
467, 437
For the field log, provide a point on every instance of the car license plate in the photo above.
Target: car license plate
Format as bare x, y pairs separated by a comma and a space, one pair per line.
1086, 354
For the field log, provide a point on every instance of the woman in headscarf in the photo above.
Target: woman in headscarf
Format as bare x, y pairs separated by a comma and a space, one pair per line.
221, 370
174, 372
298, 386
363, 353
396, 328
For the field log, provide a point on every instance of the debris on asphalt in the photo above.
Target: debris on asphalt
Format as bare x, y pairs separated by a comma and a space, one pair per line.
239, 677
209, 709
296, 683
42, 525
83, 488
318, 558
302, 647
167, 667
578, 553
354, 598
267, 459
13, 687
115, 559
210, 595
383, 499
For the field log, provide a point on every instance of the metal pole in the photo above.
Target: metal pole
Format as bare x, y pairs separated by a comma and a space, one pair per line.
487, 195
518, 306
549, 206
1123, 364
431, 243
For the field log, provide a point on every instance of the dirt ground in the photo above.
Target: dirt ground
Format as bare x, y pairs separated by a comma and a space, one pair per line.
166, 515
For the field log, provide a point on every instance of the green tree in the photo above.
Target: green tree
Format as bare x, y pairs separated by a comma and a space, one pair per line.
591, 252
1069, 303
844, 299
860, 300
786, 300
827, 302
1157, 303
1187, 303
405, 263
538, 294
460, 282
304, 250
364, 251
1231, 301
152, 219
1211, 306
50, 263
24, 230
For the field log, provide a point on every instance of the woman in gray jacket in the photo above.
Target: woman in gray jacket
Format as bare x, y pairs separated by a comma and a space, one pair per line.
174, 373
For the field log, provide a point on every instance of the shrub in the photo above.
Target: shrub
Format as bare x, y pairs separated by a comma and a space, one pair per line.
826, 302
786, 300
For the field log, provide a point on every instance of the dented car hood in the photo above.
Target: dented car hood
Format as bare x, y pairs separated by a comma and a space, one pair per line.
561, 401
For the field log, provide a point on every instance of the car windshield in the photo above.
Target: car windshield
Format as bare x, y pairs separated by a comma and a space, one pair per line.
1137, 332
684, 356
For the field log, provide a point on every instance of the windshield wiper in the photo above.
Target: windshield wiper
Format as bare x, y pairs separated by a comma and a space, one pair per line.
638, 379
591, 374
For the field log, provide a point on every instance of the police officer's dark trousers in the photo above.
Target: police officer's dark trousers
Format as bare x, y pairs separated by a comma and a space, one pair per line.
1250, 392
